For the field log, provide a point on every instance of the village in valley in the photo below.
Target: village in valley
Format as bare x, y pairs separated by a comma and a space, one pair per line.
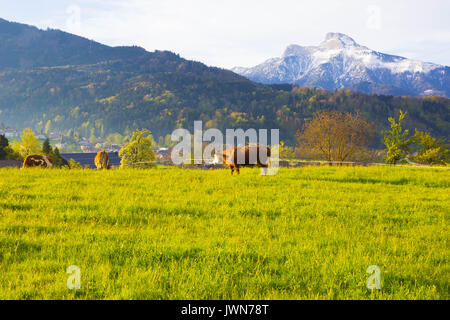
61, 142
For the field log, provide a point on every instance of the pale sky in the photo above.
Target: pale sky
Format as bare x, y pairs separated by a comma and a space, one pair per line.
230, 33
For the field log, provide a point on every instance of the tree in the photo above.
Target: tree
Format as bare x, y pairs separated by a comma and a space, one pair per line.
430, 150
138, 150
46, 147
28, 145
335, 136
397, 141
114, 138
58, 160
6, 151
4, 143
74, 165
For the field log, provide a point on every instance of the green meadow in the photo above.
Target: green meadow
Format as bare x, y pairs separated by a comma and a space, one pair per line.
169, 233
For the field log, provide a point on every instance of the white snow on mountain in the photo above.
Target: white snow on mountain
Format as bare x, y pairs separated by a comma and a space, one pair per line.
340, 62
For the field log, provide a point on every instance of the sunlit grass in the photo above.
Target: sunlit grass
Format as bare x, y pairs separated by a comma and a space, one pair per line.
306, 233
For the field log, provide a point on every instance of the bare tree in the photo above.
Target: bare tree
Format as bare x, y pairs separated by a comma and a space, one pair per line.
335, 136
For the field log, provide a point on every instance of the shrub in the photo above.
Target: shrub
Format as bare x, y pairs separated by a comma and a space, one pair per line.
74, 165
138, 152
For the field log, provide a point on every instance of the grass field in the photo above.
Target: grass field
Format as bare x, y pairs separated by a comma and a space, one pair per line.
306, 233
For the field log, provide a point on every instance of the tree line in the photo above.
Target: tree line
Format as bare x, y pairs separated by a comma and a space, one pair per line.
328, 135
337, 136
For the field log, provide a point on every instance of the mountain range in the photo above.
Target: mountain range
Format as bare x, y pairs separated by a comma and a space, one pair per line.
340, 62
51, 80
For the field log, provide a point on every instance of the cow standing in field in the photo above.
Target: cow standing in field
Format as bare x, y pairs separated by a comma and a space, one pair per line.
102, 160
248, 156
38, 161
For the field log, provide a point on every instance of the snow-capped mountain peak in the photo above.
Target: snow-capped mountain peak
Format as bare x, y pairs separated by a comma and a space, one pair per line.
340, 62
338, 40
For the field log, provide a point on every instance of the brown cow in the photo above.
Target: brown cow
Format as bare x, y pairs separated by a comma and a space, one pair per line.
248, 156
102, 160
38, 161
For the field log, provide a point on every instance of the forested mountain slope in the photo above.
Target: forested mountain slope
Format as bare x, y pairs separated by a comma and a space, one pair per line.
58, 85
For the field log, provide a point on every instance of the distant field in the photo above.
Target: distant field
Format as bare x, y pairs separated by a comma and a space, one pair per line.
306, 233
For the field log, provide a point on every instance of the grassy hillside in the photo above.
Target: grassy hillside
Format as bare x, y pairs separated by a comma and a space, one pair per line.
188, 234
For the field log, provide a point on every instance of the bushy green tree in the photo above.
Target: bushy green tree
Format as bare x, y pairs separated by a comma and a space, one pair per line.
397, 142
138, 152
430, 150
29, 144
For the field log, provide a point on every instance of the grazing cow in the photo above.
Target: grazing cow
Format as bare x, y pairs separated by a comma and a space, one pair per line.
248, 156
102, 160
38, 161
